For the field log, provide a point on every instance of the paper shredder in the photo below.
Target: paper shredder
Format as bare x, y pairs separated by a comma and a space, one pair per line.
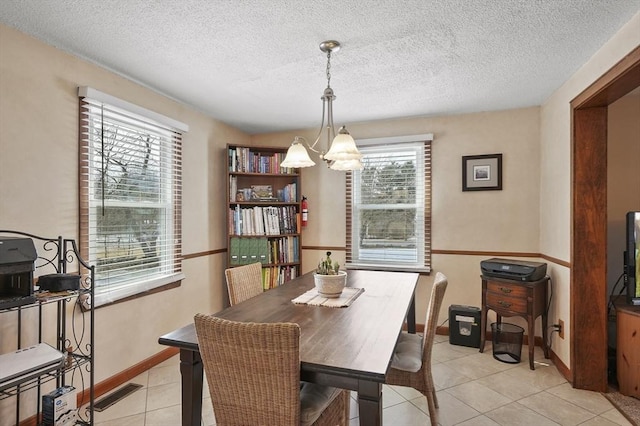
464, 325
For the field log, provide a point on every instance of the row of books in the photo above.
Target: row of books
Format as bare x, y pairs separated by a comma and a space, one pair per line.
277, 275
264, 220
244, 160
243, 251
288, 194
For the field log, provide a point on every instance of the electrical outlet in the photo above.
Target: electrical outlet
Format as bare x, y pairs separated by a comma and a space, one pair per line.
561, 331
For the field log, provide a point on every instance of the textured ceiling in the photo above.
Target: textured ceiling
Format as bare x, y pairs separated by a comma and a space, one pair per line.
256, 64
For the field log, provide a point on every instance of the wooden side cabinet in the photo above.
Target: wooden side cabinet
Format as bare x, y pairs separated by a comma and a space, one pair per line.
510, 298
628, 347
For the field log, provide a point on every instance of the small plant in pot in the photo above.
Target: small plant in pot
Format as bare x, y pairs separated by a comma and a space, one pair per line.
329, 279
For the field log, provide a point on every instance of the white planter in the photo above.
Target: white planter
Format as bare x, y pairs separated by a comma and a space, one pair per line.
330, 286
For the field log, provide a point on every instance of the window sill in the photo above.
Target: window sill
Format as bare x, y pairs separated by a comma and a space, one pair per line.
107, 298
423, 270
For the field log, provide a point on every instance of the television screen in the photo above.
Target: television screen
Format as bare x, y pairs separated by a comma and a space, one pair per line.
632, 258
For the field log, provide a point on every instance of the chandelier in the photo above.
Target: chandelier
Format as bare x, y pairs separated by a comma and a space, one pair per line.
342, 153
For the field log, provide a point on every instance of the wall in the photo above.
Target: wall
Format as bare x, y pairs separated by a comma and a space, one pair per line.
38, 191
555, 172
623, 187
623, 178
498, 221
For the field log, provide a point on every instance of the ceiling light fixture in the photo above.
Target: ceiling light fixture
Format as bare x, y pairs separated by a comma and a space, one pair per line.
342, 153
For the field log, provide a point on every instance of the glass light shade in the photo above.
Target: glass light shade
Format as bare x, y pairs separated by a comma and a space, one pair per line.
347, 165
297, 156
343, 147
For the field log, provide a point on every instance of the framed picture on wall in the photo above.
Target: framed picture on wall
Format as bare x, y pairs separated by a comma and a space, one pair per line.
482, 172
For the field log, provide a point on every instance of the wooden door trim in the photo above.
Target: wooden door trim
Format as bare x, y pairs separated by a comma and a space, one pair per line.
589, 229
612, 85
588, 285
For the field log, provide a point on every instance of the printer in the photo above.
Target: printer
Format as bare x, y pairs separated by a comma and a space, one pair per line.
17, 264
519, 270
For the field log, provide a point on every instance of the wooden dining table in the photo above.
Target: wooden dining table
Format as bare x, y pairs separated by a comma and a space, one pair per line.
349, 347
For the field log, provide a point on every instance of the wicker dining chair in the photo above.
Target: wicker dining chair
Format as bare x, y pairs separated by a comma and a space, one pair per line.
253, 372
411, 363
244, 282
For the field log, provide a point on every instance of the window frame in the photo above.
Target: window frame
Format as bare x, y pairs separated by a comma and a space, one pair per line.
167, 272
423, 251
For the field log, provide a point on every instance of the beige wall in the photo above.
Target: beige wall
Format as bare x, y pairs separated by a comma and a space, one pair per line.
505, 221
38, 191
555, 170
623, 185
623, 178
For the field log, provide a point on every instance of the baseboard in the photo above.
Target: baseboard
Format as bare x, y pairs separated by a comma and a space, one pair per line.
124, 376
562, 369
114, 381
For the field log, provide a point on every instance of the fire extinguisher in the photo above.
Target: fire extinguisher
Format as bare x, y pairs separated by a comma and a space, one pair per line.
305, 211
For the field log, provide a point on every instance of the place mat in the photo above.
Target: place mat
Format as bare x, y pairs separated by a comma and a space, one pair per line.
311, 297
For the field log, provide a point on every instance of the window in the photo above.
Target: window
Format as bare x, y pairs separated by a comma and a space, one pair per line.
130, 196
389, 205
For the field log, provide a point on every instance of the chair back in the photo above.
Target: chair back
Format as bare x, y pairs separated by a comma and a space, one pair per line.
244, 282
431, 322
253, 370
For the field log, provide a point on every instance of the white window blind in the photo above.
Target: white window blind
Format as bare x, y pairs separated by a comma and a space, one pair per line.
389, 206
130, 196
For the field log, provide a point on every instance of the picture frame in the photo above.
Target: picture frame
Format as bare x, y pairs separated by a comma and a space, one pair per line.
482, 172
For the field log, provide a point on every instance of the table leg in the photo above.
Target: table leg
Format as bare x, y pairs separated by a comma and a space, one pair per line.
532, 340
411, 316
545, 347
483, 328
191, 372
370, 403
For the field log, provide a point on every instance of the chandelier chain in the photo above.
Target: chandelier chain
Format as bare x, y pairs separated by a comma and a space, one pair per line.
341, 149
329, 68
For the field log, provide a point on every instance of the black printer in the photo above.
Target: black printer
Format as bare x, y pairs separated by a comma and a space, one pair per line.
17, 263
519, 270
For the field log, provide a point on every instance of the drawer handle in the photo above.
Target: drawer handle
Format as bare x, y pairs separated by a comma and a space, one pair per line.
504, 304
505, 289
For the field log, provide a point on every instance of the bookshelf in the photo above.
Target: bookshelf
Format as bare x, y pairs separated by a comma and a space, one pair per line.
263, 213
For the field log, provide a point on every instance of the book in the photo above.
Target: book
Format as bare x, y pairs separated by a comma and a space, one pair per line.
262, 192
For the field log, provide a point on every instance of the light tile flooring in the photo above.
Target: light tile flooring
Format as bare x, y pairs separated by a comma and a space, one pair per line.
473, 389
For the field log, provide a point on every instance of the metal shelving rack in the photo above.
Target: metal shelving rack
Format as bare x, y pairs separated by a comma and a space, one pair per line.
74, 335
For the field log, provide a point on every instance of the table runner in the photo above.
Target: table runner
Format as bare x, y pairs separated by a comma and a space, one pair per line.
311, 297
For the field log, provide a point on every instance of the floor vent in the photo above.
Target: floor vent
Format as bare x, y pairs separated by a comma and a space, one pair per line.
109, 400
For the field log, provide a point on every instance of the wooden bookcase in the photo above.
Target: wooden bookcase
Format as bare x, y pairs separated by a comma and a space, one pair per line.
263, 212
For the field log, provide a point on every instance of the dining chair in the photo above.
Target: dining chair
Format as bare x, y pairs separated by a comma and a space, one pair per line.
244, 282
253, 372
411, 362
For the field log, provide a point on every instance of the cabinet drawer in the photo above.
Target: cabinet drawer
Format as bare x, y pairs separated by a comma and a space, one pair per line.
511, 290
501, 303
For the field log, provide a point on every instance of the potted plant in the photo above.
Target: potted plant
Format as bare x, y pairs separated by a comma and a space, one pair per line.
329, 279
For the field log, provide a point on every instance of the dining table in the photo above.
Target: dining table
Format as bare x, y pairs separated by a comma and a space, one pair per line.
345, 347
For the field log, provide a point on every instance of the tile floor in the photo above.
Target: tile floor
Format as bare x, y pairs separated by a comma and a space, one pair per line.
473, 389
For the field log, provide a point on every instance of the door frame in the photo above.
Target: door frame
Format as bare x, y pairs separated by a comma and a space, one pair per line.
588, 276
